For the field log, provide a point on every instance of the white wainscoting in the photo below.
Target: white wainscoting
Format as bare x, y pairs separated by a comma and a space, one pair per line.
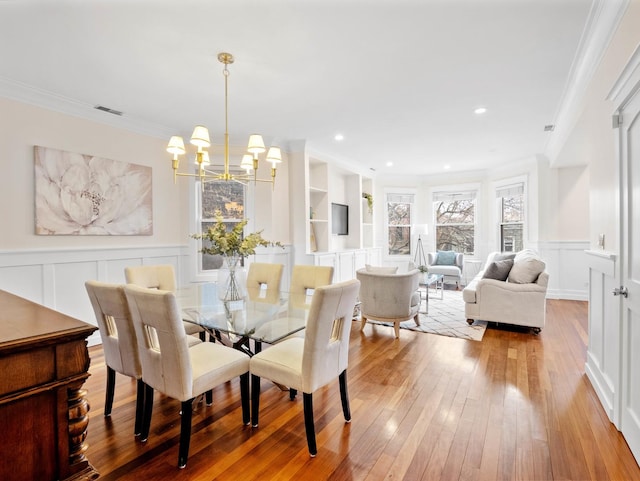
603, 366
567, 267
55, 278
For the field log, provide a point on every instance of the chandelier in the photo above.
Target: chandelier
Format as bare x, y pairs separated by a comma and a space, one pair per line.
200, 139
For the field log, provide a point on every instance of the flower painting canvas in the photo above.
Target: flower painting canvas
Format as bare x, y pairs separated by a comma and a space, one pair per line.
80, 194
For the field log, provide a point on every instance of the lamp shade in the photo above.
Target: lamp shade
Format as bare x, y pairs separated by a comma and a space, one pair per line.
247, 162
274, 156
256, 144
176, 145
421, 229
200, 137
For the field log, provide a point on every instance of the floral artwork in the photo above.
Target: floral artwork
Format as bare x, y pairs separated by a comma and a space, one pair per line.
80, 194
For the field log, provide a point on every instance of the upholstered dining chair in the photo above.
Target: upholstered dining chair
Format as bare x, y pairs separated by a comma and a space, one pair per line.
388, 297
310, 363
163, 277
264, 274
306, 277
170, 366
118, 341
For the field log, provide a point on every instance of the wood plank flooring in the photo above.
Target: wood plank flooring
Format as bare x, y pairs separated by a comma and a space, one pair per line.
514, 406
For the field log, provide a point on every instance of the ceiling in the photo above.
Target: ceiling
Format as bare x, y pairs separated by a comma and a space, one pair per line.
400, 79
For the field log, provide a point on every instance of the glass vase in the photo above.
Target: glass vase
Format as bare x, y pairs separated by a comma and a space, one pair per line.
232, 283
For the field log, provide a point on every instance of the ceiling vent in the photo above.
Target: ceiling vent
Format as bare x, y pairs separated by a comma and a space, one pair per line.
549, 128
108, 110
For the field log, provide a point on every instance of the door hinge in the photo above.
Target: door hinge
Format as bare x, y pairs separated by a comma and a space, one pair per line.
616, 121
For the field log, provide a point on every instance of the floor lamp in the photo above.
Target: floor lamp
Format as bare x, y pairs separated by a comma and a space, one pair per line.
419, 258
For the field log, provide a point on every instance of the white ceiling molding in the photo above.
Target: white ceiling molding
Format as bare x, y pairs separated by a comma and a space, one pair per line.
604, 17
628, 82
42, 98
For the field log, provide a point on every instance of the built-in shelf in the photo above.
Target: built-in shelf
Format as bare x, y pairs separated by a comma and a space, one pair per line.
315, 221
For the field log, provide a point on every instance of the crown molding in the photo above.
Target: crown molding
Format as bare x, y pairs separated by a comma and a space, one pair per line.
58, 103
604, 18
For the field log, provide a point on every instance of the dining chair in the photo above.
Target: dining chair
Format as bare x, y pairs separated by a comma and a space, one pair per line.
306, 277
170, 366
310, 363
160, 276
264, 274
118, 341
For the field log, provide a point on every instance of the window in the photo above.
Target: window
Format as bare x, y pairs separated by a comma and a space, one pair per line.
227, 197
399, 212
510, 200
455, 217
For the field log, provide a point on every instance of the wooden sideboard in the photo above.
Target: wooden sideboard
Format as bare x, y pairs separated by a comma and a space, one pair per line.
44, 362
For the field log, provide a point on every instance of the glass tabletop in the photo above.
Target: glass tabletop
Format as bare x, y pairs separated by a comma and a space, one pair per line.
427, 279
263, 315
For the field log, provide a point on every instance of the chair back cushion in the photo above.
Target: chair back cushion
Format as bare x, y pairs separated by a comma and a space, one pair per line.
446, 258
162, 341
387, 296
326, 340
160, 276
306, 277
264, 273
116, 327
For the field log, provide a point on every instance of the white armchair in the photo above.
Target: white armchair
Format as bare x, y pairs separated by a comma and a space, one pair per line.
389, 297
451, 268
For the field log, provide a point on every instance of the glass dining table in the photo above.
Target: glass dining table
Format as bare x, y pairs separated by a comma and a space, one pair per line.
262, 316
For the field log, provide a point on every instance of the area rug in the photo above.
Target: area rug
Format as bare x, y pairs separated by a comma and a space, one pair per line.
445, 318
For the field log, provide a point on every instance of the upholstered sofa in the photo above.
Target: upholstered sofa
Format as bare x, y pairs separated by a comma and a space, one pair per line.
447, 263
510, 289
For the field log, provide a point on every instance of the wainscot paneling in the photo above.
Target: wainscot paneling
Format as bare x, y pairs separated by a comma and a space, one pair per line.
55, 278
603, 351
567, 267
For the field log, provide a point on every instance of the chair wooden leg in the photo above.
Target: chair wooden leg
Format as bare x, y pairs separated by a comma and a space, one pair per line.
148, 408
244, 398
139, 408
185, 432
344, 396
255, 400
363, 322
308, 423
396, 328
292, 394
416, 319
203, 336
209, 397
111, 385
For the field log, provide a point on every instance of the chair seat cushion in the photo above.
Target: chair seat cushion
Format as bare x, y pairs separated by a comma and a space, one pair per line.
281, 363
445, 270
213, 364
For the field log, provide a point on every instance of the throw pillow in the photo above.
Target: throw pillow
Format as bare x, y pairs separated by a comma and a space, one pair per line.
380, 270
526, 271
503, 256
498, 270
446, 258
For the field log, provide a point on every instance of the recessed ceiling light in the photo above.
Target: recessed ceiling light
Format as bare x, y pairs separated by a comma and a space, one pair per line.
549, 128
480, 110
447, 166
389, 164
339, 137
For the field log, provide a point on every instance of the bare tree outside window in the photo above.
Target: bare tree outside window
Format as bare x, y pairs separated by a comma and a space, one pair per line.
455, 225
399, 224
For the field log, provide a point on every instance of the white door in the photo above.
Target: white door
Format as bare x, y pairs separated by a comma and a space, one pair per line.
630, 271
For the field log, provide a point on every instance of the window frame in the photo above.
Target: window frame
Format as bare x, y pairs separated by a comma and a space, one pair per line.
517, 183
198, 274
463, 190
412, 194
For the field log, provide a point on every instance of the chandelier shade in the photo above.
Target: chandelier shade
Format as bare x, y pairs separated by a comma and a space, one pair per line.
201, 140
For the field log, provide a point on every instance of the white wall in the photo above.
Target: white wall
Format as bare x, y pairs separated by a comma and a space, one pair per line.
51, 270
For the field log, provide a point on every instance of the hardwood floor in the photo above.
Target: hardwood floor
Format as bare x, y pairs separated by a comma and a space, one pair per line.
424, 407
